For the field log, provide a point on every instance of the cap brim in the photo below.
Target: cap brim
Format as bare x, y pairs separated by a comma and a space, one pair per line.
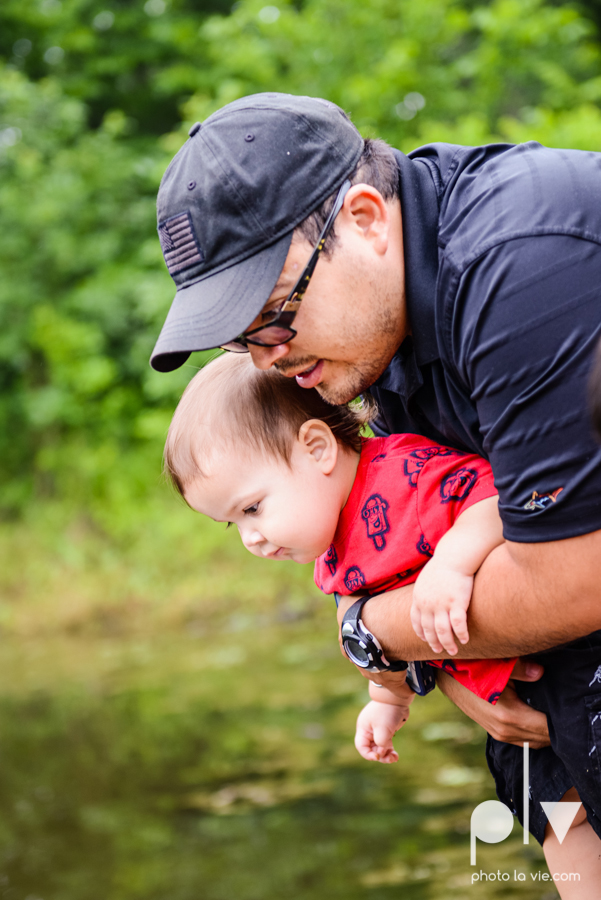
219, 307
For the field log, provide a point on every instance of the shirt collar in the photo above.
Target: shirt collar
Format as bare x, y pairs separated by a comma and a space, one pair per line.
419, 209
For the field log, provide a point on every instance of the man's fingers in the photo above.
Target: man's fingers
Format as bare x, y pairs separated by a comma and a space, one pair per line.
510, 720
516, 722
527, 670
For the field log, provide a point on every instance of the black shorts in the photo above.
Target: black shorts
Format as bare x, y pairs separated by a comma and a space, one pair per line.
570, 694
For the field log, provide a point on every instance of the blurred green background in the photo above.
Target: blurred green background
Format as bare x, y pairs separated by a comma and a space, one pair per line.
175, 719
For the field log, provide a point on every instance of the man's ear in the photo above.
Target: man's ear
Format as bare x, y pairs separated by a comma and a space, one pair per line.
317, 439
366, 210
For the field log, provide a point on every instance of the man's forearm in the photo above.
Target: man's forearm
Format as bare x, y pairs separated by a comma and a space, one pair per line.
527, 597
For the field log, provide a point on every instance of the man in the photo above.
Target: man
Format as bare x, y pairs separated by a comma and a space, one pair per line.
461, 286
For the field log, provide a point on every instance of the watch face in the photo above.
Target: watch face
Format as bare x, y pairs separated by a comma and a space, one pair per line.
357, 654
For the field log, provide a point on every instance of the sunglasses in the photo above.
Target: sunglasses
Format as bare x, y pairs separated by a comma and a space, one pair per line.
278, 321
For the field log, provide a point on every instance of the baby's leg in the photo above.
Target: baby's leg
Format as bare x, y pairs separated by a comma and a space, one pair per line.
578, 854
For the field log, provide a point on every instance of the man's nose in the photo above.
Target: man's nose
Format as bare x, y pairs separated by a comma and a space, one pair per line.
265, 357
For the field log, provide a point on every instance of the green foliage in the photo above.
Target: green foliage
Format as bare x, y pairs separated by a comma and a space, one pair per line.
85, 92
137, 56
82, 290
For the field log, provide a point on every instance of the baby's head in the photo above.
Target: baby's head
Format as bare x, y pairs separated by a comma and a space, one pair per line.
255, 449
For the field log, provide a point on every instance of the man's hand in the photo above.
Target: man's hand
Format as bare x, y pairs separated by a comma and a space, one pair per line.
510, 720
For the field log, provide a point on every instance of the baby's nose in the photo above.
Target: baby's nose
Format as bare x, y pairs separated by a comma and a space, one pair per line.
252, 539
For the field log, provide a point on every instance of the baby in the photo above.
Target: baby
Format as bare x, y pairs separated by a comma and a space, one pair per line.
254, 449
292, 473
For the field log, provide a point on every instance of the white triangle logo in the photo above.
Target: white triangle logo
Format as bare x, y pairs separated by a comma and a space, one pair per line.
560, 816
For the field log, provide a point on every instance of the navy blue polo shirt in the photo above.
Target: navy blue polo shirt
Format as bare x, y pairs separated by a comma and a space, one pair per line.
502, 250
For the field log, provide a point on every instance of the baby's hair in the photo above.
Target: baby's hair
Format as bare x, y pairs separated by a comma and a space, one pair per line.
231, 402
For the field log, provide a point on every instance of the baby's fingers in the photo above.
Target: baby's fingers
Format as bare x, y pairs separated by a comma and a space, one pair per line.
416, 621
430, 633
388, 756
458, 619
444, 632
364, 742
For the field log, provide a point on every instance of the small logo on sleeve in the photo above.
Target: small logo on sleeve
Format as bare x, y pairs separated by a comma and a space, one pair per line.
596, 677
376, 521
541, 501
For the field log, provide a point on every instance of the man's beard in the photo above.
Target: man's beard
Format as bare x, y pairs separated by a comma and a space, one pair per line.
356, 382
358, 378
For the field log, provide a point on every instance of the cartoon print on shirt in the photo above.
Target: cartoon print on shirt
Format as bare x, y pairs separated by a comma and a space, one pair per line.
596, 677
540, 501
378, 457
376, 521
416, 461
331, 559
424, 547
457, 485
354, 579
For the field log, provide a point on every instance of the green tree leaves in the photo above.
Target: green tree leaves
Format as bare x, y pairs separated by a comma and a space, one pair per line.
85, 136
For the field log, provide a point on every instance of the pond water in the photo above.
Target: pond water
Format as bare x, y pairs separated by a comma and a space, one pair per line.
176, 721
166, 768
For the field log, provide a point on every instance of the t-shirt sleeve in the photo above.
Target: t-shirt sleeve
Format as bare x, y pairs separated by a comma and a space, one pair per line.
448, 484
521, 336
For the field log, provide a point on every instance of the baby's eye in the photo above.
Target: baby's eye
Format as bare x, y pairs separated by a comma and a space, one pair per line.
251, 510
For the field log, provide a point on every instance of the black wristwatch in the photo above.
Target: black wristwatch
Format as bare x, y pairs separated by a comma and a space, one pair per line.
361, 647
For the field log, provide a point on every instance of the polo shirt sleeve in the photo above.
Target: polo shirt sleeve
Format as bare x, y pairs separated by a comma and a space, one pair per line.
449, 483
520, 337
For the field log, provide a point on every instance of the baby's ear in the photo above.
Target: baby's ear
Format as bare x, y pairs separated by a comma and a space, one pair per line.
317, 439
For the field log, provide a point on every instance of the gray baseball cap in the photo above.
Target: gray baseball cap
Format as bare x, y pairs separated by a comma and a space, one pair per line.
228, 204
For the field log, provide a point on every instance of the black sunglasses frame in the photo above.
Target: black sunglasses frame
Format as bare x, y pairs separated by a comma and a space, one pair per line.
290, 306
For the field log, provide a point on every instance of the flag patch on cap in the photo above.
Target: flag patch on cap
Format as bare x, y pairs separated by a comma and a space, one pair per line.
179, 243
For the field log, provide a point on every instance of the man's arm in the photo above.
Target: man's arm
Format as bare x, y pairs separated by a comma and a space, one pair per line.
526, 598
510, 719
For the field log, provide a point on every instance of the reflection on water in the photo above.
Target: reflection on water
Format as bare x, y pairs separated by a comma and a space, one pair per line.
178, 767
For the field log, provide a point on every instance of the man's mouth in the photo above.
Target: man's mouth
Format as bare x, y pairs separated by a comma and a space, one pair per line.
311, 377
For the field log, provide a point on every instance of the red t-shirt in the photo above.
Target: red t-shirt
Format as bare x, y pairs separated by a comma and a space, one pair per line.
407, 493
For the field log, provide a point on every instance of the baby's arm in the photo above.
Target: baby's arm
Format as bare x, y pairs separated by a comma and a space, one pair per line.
378, 722
443, 589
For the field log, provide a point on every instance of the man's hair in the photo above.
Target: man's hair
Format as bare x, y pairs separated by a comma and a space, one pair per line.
377, 167
230, 402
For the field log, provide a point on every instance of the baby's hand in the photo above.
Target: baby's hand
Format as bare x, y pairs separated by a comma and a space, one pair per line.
376, 725
441, 597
